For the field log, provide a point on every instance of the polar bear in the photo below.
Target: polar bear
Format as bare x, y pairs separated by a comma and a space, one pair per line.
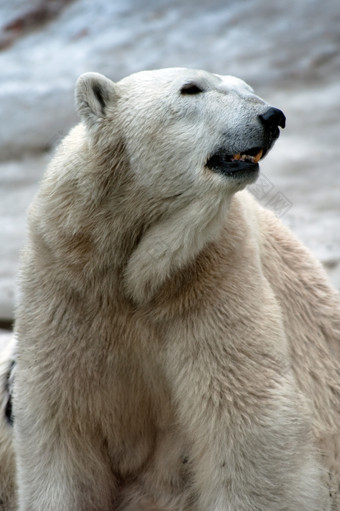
178, 349
7, 460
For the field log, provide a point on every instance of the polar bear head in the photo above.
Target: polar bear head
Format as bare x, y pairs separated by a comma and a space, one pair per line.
184, 130
187, 141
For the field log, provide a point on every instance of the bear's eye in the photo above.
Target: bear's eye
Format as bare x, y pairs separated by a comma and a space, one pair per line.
191, 88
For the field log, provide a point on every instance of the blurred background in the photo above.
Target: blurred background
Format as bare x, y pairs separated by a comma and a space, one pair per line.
288, 51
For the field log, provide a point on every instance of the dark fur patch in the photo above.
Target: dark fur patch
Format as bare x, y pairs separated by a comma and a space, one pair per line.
9, 411
9, 390
97, 91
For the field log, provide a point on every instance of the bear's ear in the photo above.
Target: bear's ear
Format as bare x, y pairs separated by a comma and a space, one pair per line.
94, 93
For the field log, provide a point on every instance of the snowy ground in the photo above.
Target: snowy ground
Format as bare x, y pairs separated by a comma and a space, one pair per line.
289, 51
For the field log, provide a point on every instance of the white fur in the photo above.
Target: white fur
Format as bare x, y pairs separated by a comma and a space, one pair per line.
7, 458
173, 337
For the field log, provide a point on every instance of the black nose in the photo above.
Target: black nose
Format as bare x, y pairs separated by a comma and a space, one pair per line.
273, 118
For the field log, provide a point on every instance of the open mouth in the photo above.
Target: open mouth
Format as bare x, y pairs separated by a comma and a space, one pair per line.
235, 165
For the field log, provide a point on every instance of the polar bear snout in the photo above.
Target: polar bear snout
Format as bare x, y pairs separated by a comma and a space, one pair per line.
272, 119
240, 161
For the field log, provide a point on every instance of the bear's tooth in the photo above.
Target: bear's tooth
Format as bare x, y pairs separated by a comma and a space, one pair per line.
236, 156
258, 156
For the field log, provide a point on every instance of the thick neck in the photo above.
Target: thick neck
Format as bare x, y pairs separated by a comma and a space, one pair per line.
171, 243
96, 224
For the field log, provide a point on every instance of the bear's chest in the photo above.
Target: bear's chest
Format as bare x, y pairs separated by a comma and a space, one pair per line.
161, 481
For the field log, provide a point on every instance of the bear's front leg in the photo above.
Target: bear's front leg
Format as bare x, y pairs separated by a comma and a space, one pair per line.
61, 464
250, 436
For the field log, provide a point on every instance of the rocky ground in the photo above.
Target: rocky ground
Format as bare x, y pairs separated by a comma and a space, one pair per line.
289, 51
